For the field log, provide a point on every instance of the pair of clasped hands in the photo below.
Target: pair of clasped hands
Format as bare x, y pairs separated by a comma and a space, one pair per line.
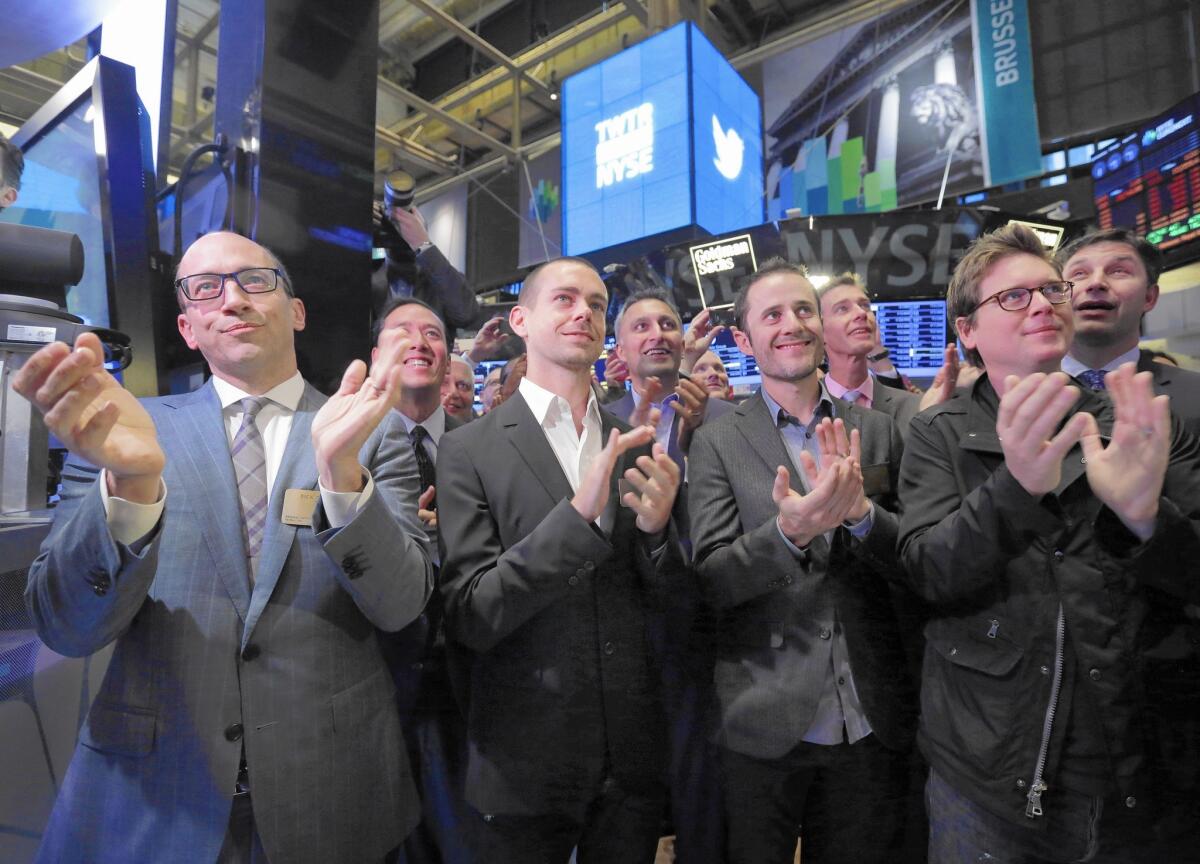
102, 422
1126, 475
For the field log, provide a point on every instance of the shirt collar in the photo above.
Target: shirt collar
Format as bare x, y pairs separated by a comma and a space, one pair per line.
1073, 367
547, 406
286, 394
435, 423
824, 404
867, 388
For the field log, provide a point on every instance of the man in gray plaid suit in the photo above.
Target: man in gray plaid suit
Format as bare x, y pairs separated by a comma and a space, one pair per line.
239, 544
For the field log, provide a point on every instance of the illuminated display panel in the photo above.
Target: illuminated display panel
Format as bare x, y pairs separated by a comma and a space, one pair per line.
914, 332
642, 153
1150, 180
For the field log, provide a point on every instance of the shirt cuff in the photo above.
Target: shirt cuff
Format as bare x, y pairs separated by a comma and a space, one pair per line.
797, 552
341, 507
862, 527
128, 521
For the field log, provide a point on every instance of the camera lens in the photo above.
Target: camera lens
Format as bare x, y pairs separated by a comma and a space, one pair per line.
398, 190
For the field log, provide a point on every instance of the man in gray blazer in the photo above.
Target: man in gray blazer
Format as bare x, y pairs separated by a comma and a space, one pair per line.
239, 544
650, 340
850, 333
1115, 273
794, 537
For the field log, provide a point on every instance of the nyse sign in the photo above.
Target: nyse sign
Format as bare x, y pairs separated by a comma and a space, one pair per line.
625, 145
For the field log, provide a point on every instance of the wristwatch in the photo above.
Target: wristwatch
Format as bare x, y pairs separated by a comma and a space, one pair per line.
426, 245
881, 354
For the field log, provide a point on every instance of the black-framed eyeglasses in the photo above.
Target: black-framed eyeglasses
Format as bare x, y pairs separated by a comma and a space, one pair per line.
1016, 299
209, 286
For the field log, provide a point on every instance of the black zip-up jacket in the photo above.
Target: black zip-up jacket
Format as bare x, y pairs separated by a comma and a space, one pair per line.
994, 563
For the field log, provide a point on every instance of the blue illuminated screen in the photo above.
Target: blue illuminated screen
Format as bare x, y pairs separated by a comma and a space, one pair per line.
637, 133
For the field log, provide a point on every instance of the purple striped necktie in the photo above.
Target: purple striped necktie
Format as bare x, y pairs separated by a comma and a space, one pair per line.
250, 467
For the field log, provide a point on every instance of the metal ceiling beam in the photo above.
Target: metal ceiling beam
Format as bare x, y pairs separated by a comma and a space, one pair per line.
469, 36
415, 101
417, 153
821, 24
492, 78
196, 40
530, 151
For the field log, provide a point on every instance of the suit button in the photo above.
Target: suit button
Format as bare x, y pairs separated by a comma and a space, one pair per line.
581, 572
99, 588
824, 633
1058, 556
1045, 670
1094, 674
1020, 784
488, 817
589, 566
841, 682
251, 651
233, 732
1131, 802
609, 648
574, 580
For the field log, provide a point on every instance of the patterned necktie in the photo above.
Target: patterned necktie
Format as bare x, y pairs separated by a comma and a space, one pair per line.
424, 463
857, 398
250, 468
1093, 378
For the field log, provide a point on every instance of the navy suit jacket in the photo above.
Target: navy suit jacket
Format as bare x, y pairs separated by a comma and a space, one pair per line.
203, 666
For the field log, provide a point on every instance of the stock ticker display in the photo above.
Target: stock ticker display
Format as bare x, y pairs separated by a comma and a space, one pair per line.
914, 332
1149, 180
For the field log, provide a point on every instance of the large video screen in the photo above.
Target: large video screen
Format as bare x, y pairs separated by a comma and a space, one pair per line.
663, 135
1149, 180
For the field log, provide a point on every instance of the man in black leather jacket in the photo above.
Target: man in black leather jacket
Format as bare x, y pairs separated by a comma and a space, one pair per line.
1034, 516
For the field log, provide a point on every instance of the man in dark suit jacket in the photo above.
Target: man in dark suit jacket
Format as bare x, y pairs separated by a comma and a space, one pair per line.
652, 345
433, 726
247, 712
549, 585
1116, 283
816, 712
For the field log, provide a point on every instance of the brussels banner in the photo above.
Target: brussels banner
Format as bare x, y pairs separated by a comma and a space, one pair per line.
1004, 77
664, 135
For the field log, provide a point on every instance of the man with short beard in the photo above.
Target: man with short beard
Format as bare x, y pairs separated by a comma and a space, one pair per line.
551, 587
792, 499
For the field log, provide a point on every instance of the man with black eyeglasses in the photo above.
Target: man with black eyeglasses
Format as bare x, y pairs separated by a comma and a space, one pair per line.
1036, 516
239, 544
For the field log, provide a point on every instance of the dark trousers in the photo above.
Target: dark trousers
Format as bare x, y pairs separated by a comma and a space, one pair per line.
844, 800
437, 751
619, 827
242, 844
1078, 828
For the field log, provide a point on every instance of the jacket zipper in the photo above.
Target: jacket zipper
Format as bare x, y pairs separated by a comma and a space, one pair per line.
1033, 808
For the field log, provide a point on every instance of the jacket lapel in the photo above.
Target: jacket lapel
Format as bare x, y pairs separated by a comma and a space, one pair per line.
761, 432
298, 470
212, 487
529, 440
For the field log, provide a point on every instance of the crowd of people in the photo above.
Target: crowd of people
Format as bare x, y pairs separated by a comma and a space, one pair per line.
954, 626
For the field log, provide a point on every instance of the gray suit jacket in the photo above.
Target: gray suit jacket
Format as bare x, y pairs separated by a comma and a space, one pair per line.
1182, 385
776, 611
203, 666
900, 405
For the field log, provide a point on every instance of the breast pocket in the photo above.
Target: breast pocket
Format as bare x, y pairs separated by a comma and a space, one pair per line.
119, 730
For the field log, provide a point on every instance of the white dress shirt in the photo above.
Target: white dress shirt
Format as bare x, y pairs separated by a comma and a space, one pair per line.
435, 425
129, 521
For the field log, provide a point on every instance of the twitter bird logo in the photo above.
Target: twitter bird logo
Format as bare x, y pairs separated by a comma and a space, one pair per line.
730, 147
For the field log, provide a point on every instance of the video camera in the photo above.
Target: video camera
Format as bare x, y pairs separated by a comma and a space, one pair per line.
399, 190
